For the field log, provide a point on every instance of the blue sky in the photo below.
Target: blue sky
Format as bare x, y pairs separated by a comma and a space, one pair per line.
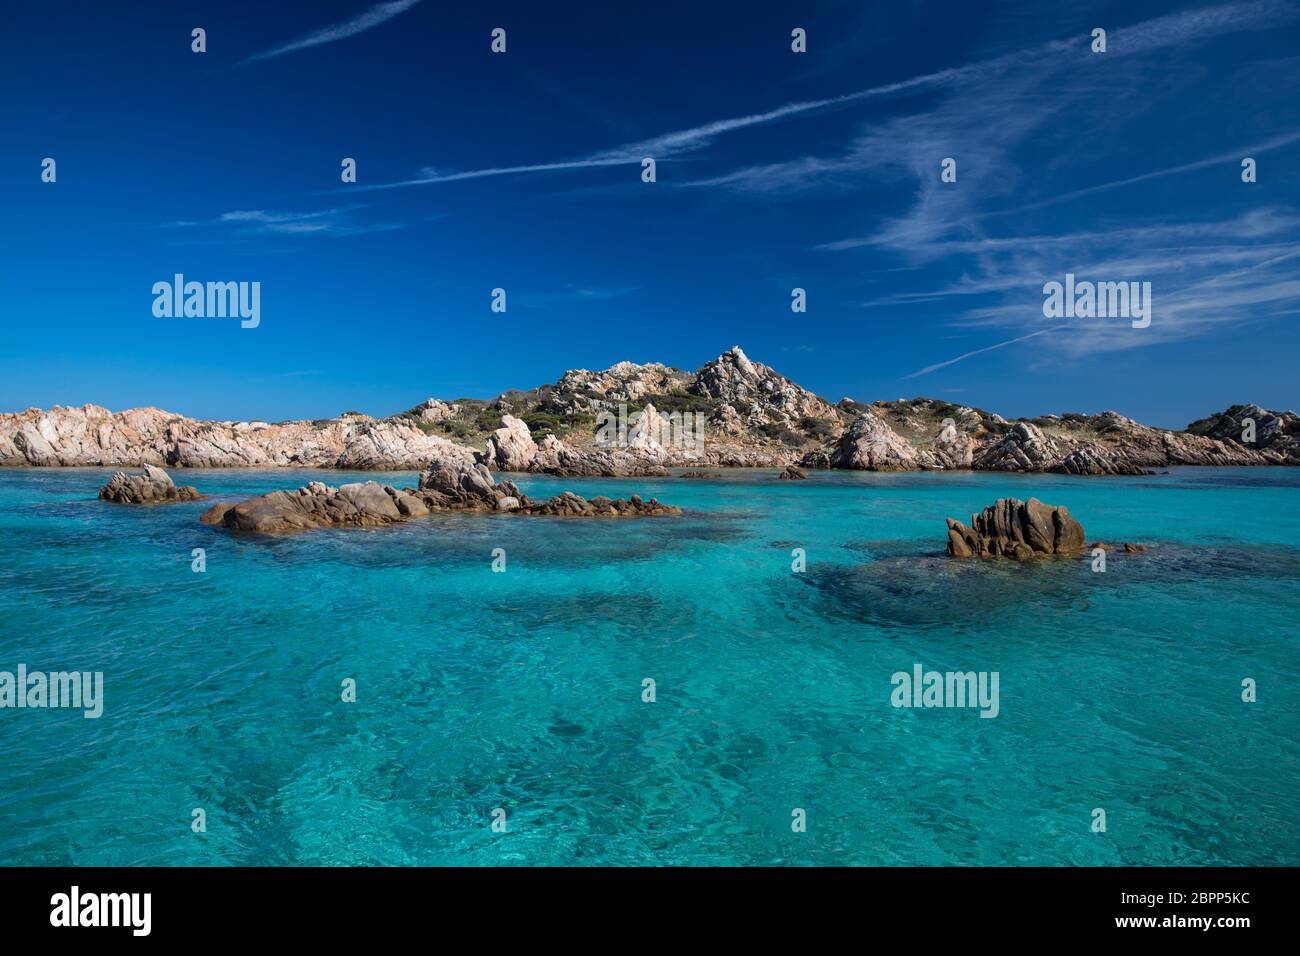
775, 170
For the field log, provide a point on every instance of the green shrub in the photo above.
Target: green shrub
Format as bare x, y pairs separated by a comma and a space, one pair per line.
783, 434
680, 400
817, 427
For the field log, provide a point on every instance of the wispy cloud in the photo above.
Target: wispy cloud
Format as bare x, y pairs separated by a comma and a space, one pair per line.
1205, 276
928, 230
1055, 55
573, 295
338, 221
1003, 122
373, 17
1254, 224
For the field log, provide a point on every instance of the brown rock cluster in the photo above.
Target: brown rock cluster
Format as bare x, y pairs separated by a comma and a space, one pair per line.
447, 485
155, 486
1017, 529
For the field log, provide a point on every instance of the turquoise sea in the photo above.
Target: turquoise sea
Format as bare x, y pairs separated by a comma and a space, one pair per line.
522, 690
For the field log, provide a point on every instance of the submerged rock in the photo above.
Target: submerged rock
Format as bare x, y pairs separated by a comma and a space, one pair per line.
1016, 529
1127, 547
216, 514
152, 487
446, 485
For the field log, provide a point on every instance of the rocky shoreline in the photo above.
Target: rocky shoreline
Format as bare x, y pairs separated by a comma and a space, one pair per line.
750, 415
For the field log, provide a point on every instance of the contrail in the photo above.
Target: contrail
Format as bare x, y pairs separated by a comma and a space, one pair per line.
1276, 143
1150, 34
339, 31
988, 348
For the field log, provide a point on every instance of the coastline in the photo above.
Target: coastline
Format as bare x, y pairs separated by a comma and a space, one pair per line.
732, 412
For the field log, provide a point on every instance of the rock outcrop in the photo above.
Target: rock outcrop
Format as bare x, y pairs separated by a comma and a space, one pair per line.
447, 485
758, 395
431, 411
793, 473
555, 457
1272, 431
871, 445
1016, 529
154, 486
1024, 447
583, 392
511, 447
1092, 459
905, 436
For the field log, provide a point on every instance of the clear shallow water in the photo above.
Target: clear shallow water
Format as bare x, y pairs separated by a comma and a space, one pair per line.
522, 690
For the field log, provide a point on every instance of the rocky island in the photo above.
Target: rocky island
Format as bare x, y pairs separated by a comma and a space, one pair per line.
751, 415
447, 485
1016, 529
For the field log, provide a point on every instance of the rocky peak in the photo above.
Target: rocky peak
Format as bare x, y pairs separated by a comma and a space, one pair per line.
740, 359
761, 394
